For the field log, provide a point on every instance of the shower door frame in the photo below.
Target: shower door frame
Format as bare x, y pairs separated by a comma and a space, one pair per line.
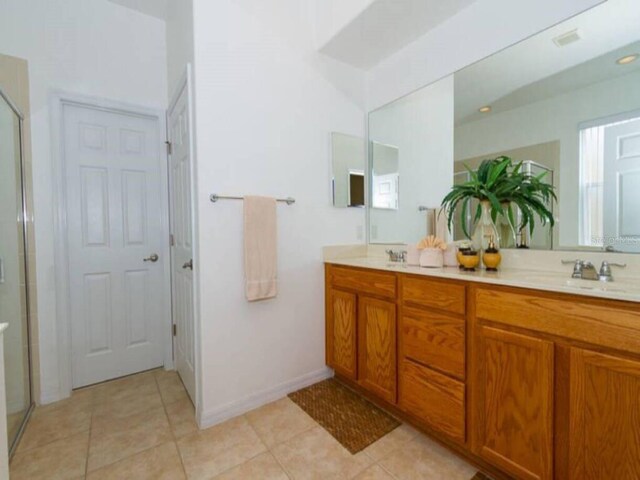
25, 240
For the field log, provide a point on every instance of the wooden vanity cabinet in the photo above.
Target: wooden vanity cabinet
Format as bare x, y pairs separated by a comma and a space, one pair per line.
361, 328
377, 347
341, 334
529, 384
432, 354
513, 427
604, 416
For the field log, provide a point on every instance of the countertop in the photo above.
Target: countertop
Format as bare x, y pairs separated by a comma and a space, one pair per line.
626, 289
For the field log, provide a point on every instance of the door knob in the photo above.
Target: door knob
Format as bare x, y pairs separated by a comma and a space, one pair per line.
188, 264
152, 258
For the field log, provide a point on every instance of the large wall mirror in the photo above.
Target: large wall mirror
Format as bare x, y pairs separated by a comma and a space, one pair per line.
565, 102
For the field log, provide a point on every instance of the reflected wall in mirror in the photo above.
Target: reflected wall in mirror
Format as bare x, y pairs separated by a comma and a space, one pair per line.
348, 170
565, 101
385, 176
411, 162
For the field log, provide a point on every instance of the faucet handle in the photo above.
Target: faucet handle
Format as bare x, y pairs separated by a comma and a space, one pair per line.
605, 270
577, 267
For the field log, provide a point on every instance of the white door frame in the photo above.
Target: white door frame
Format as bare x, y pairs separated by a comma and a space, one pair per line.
61, 260
186, 82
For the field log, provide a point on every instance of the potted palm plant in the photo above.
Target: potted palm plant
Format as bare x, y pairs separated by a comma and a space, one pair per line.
498, 185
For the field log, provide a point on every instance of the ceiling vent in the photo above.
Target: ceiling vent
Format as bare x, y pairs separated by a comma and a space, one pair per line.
567, 38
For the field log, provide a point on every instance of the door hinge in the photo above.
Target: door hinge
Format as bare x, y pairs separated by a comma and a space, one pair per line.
174, 329
169, 147
172, 240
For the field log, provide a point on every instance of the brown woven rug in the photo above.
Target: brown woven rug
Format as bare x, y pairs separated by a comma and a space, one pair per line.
355, 422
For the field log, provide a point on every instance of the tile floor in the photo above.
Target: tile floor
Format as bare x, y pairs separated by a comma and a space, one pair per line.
142, 427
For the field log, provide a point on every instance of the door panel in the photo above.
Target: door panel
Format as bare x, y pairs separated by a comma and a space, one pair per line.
604, 417
621, 186
114, 216
377, 347
180, 161
515, 419
342, 326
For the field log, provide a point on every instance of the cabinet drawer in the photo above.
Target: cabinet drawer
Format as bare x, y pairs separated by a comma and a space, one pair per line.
433, 398
606, 323
435, 339
439, 294
363, 281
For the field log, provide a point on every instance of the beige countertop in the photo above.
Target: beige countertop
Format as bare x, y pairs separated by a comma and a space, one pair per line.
627, 289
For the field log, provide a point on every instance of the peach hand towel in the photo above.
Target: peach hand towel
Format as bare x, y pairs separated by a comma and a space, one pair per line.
260, 248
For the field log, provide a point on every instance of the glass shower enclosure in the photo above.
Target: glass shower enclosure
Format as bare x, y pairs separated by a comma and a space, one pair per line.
14, 301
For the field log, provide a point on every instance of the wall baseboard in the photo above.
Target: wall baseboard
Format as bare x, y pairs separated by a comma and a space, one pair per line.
246, 404
50, 396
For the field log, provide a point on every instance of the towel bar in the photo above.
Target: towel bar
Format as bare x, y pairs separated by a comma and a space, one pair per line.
214, 197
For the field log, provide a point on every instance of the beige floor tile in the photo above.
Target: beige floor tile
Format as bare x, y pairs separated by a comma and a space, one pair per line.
62, 459
376, 472
113, 439
210, 452
279, 421
263, 467
130, 401
423, 458
81, 399
315, 454
171, 387
125, 388
54, 422
159, 463
391, 442
182, 417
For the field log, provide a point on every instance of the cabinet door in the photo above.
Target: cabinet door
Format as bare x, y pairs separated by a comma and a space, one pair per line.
604, 416
514, 412
377, 347
341, 333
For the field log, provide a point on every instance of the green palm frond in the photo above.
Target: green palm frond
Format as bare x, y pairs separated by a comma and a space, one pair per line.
500, 181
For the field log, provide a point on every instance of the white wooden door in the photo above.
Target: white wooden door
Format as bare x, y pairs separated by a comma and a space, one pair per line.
180, 135
621, 215
114, 230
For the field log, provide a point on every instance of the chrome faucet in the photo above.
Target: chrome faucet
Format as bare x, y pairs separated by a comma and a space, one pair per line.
587, 271
397, 255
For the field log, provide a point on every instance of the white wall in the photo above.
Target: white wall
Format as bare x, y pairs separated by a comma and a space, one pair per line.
478, 31
179, 28
421, 126
266, 105
556, 118
92, 47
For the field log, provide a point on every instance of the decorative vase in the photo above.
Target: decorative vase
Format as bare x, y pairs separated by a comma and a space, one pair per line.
485, 229
469, 260
491, 257
431, 258
508, 237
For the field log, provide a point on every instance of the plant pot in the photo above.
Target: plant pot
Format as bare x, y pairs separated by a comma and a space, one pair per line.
485, 229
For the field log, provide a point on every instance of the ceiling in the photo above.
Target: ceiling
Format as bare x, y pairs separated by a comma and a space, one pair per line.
536, 68
155, 8
386, 26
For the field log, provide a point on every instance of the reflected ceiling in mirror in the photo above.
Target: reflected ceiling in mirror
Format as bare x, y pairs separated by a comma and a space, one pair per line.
567, 101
